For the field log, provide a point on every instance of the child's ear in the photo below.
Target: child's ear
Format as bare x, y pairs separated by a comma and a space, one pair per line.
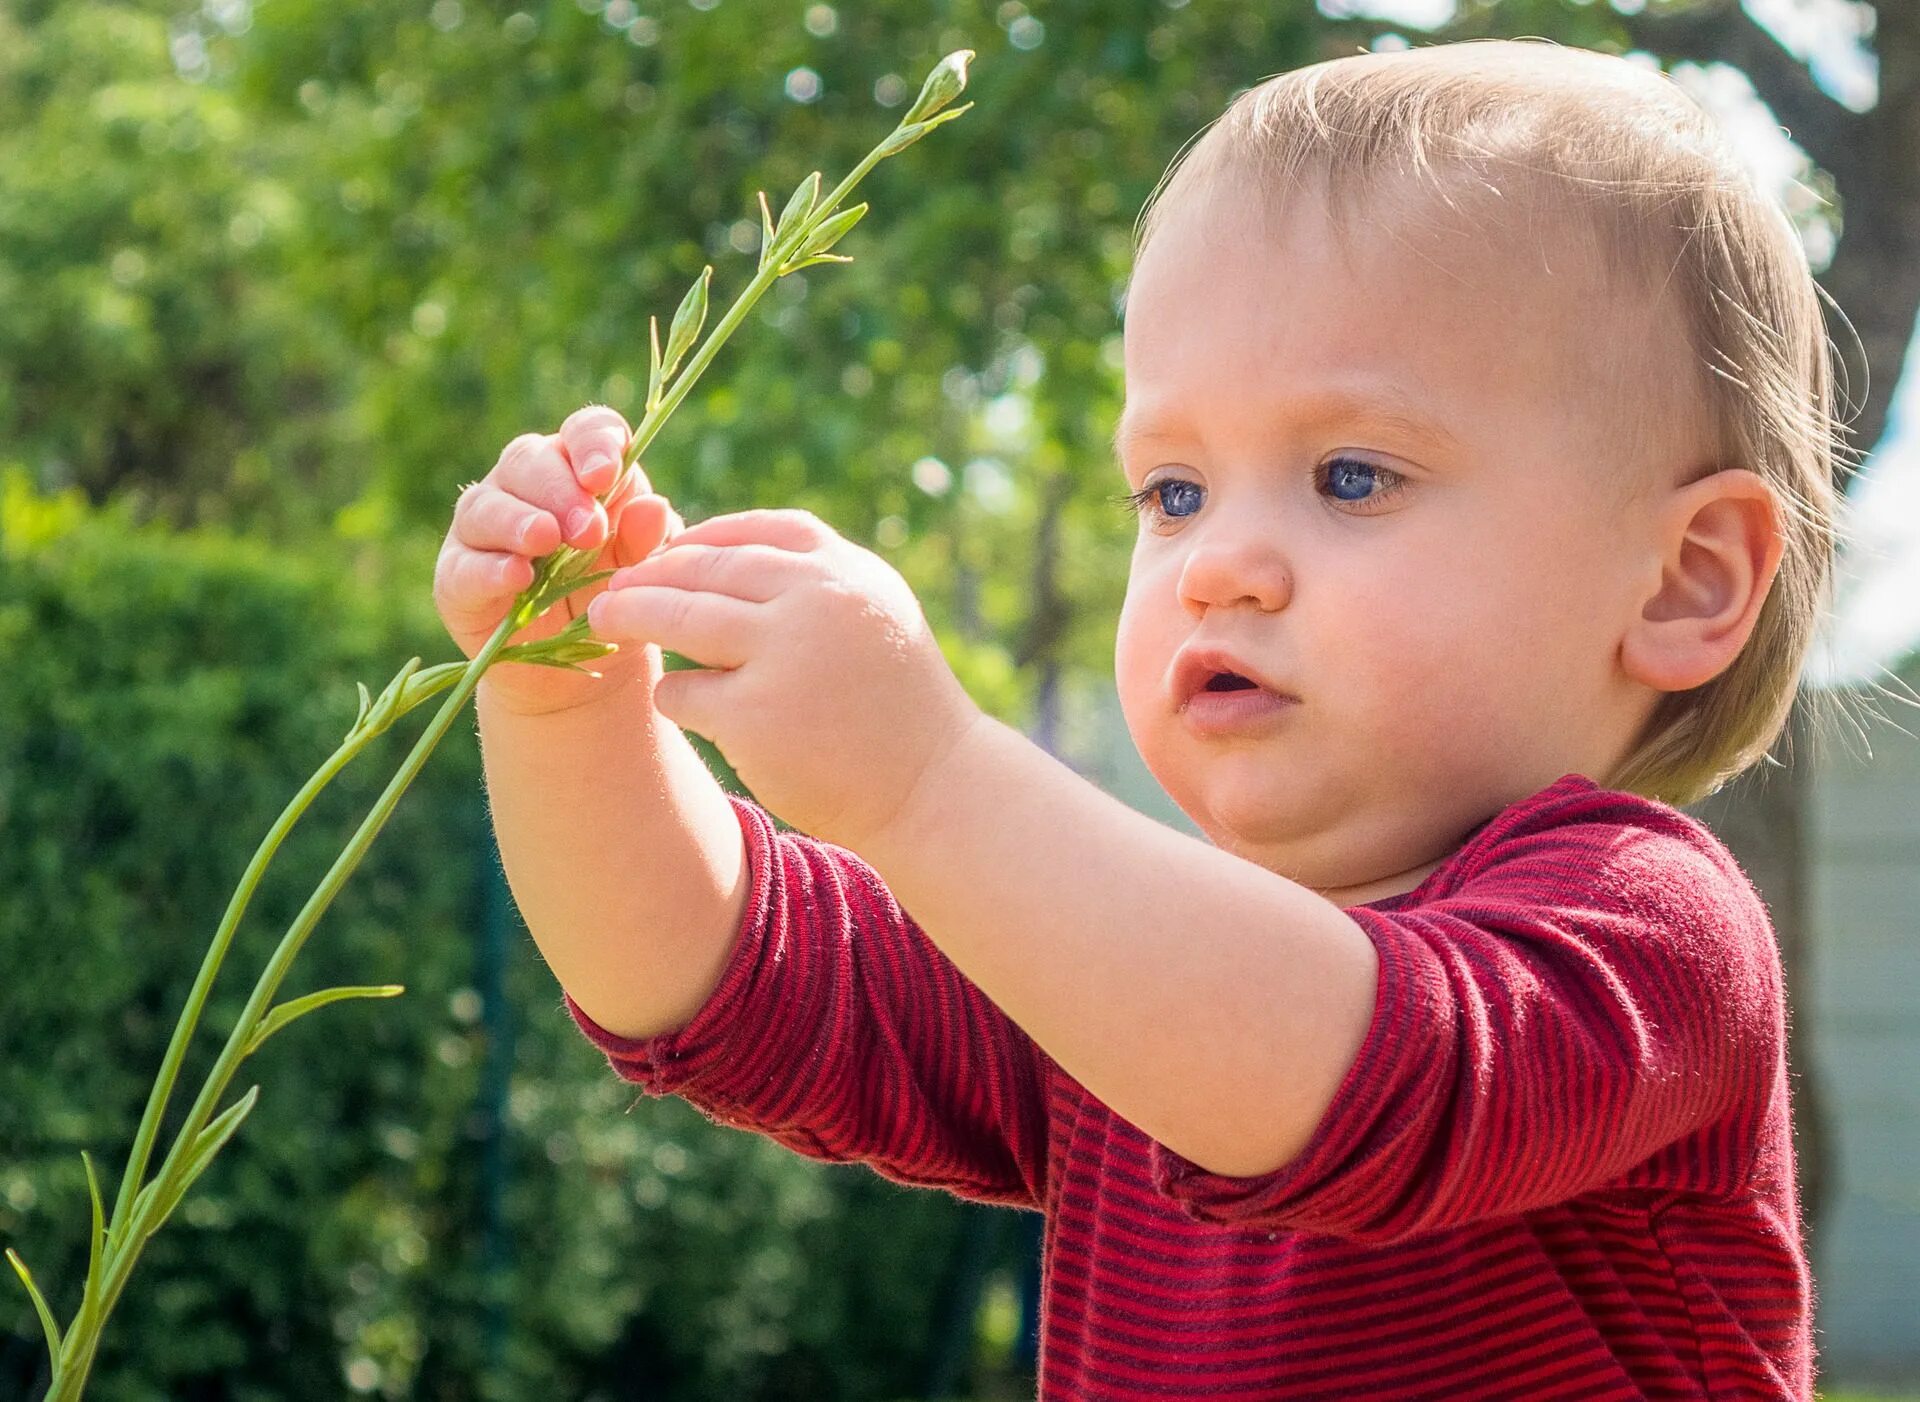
1720, 541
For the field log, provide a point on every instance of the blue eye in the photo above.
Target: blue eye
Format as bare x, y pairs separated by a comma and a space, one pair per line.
1358, 475
1346, 480
1151, 501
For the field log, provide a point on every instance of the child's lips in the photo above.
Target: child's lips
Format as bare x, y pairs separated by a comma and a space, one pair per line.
1245, 711
1198, 666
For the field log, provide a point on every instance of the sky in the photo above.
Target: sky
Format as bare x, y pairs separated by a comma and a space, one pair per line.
1876, 617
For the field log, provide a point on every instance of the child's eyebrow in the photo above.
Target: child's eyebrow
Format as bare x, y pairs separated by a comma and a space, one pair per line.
1382, 407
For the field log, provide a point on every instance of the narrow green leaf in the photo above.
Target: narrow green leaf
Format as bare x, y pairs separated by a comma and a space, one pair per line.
279, 1017
825, 236
800, 203
567, 581
386, 707
654, 377
688, 320
97, 1241
573, 643
951, 114
166, 1196
569, 660
766, 230
905, 136
544, 653
39, 1303
425, 685
594, 578
902, 138
818, 258
366, 704
140, 1201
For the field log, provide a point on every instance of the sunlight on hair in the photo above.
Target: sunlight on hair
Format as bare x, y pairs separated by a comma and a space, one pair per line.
1642, 171
1416, 14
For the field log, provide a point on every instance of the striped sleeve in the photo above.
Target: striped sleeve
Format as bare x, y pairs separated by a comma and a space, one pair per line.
840, 1031
1594, 1006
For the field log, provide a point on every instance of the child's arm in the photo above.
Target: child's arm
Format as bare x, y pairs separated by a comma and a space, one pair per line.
618, 844
1602, 985
1212, 1003
839, 1030
622, 852
771, 980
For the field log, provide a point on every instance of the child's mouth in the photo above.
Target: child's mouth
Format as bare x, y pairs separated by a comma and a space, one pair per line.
1230, 704
1228, 681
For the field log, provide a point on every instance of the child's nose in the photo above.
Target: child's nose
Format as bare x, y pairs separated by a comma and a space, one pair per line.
1222, 573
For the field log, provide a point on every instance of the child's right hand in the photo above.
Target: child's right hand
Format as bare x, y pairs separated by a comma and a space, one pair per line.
543, 492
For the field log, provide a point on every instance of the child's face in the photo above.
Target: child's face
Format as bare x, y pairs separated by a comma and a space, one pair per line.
1405, 473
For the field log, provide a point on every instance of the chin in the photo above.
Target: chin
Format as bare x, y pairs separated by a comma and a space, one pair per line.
1249, 811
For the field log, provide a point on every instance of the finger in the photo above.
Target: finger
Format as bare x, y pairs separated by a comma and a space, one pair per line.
710, 629
643, 528
533, 469
695, 698
783, 528
471, 583
487, 518
628, 490
755, 573
594, 439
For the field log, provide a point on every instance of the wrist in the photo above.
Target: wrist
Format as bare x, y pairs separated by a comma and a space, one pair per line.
607, 694
916, 823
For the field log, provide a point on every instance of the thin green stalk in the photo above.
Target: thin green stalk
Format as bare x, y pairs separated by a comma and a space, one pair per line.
237, 1046
196, 1000
940, 88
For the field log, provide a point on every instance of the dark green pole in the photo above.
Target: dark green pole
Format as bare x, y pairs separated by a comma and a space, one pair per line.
496, 1071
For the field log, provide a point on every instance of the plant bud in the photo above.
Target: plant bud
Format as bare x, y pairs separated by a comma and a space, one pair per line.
687, 321
800, 203
947, 81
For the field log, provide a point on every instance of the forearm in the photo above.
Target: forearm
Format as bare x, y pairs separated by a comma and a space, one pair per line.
622, 851
1212, 1003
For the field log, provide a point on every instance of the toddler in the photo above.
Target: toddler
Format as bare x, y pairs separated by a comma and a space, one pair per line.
1478, 423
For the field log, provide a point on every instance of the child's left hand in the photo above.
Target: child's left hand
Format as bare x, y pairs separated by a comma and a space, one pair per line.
828, 692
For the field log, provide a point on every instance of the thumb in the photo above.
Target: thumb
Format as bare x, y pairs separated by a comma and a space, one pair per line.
695, 698
646, 525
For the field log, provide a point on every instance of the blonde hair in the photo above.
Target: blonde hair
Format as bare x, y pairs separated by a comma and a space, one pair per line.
1623, 155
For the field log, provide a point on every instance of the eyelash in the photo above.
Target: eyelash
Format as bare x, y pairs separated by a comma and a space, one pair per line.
1145, 502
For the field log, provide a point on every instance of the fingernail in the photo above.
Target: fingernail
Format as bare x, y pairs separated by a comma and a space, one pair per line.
596, 460
578, 520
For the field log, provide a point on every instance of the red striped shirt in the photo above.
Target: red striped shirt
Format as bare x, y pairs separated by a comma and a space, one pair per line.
1559, 1167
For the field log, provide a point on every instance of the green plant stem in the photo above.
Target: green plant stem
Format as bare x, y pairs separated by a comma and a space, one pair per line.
196, 1000
76, 1359
767, 274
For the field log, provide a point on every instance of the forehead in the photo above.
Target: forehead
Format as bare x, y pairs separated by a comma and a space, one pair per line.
1415, 305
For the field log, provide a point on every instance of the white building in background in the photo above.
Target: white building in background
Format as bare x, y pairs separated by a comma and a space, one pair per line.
1863, 838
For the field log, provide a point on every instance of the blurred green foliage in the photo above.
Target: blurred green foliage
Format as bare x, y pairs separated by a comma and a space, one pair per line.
167, 693
276, 280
